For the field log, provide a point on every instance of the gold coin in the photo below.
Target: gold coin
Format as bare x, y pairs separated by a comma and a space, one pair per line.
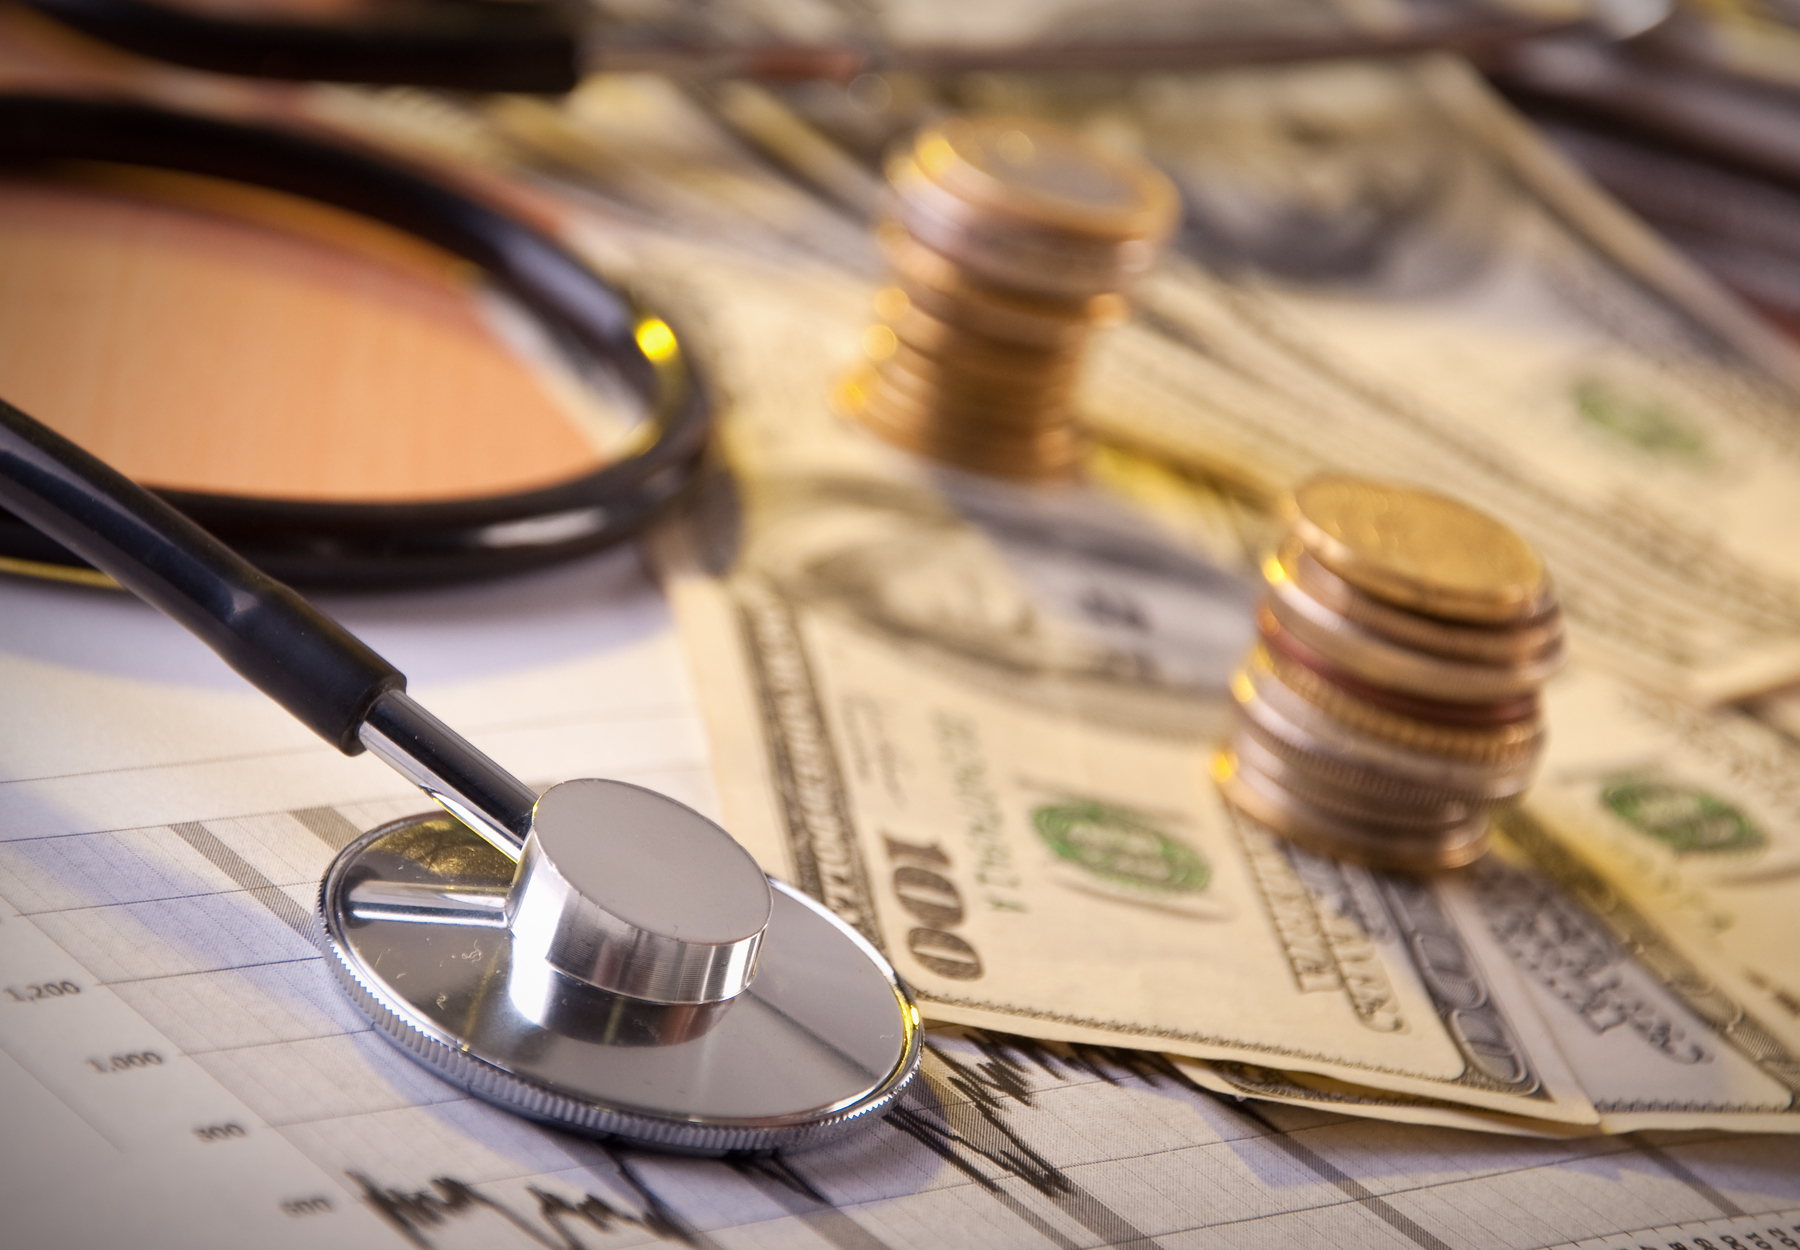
1417, 549
1041, 172
1522, 641
922, 377
933, 274
1032, 452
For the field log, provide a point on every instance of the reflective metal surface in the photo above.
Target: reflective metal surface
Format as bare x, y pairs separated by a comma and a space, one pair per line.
446, 765
823, 1038
633, 892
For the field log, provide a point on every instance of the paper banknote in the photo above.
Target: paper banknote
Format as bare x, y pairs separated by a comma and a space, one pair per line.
1692, 816
1653, 1039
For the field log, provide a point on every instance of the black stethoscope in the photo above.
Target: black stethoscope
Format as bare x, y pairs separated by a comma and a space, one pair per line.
600, 957
388, 545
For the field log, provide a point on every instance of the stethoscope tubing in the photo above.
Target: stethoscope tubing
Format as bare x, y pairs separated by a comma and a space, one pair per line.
390, 545
457, 45
276, 640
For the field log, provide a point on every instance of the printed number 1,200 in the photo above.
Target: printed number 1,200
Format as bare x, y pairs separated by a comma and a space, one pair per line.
38, 993
127, 1063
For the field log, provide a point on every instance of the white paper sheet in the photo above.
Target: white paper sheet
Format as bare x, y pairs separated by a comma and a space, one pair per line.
185, 1074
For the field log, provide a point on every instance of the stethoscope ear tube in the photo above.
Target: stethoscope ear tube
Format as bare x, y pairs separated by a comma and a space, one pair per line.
277, 641
460, 45
358, 545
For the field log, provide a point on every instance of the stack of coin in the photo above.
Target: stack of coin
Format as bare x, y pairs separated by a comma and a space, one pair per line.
1392, 699
1010, 240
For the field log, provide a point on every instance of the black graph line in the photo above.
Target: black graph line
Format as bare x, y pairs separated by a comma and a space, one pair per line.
986, 1088
558, 1223
329, 825
246, 875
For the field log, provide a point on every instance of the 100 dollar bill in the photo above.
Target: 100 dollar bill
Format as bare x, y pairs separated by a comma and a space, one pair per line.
1653, 1038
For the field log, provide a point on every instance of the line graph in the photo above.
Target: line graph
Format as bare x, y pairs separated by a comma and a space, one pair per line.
200, 931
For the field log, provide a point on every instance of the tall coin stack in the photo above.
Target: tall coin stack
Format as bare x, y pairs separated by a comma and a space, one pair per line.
1392, 699
1010, 240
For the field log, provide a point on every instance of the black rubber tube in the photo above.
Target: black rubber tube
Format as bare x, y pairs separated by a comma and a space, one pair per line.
462, 45
276, 640
376, 545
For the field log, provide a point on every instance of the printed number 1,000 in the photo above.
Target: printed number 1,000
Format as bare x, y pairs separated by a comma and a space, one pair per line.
127, 1063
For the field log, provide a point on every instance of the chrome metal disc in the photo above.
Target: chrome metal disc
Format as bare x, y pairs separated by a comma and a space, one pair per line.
822, 1041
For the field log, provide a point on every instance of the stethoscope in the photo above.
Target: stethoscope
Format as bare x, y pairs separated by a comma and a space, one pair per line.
599, 957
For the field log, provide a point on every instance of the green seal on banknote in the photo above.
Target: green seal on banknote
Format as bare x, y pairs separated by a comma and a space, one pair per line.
1121, 847
1685, 818
1648, 423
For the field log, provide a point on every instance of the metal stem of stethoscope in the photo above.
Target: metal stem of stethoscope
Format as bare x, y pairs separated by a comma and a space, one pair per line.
599, 957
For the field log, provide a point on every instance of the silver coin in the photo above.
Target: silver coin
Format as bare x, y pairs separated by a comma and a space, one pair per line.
1402, 669
1316, 830
1424, 812
1305, 729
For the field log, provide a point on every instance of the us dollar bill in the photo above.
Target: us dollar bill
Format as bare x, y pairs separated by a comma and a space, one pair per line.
1653, 1038
1692, 816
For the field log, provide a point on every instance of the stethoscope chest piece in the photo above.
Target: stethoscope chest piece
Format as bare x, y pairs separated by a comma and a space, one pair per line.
633, 974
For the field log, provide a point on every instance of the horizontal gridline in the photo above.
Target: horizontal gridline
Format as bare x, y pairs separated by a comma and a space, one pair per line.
602, 716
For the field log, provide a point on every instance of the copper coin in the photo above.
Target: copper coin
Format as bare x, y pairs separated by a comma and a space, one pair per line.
1012, 257
1000, 321
972, 412
933, 336
1500, 712
1031, 170
922, 377
1524, 640
1481, 743
1409, 671
1319, 831
1039, 453
1423, 817
1300, 733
